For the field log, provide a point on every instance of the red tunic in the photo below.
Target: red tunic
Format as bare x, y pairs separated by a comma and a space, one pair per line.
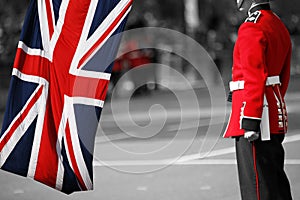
263, 49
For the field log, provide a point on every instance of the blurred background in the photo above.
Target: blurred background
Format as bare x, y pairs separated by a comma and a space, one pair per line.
213, 24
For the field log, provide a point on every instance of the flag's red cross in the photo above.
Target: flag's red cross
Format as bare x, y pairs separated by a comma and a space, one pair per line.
54, 65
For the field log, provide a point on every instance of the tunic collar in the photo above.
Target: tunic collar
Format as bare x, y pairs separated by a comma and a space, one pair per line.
259, 6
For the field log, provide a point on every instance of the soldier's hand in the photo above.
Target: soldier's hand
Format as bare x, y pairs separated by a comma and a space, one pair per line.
251, 135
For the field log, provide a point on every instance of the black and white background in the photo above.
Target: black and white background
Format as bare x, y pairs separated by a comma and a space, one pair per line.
160, 132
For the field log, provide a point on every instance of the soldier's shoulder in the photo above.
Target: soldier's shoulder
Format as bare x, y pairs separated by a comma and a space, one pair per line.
254, 17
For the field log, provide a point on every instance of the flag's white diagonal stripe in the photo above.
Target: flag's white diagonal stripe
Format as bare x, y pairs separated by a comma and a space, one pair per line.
59, 25
60, 137
52, 13
76, 146
82, 41
93, 74
44, 24
70, 116
86, 44
106, 39
113, 15
38, 133
85, 31
21, 129
19, 114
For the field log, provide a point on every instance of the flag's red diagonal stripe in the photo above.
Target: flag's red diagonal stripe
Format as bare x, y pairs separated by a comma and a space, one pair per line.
105, 35
21, 118
49, 16
73, 159
60, 84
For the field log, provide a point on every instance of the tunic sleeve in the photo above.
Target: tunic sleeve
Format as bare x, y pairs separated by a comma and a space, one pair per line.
252, 46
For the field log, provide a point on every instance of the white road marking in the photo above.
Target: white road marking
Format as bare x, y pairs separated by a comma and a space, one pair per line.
228, 162
195, 159
214, 153
170, 128
142, 188
224, 151
293, 138
206, 187
174, 114
131, 163
171, 114
19, 191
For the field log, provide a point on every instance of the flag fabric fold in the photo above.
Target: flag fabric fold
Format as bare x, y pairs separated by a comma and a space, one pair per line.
59, 81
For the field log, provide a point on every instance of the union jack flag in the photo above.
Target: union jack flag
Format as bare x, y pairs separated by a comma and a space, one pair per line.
58, 86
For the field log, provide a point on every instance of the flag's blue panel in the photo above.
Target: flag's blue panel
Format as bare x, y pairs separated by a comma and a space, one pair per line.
88, 158
87, 120
56, 6
102, 10
31, 34
18, 160
70, 183
103, 60
18, 94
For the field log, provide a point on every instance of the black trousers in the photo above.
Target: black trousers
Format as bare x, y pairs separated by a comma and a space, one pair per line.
261, 169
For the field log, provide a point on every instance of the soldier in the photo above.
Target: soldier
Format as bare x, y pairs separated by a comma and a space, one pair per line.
258, 121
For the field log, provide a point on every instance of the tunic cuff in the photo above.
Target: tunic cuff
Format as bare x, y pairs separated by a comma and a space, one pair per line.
249, 124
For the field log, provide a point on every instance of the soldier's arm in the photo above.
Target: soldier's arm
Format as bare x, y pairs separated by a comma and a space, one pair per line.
253, 44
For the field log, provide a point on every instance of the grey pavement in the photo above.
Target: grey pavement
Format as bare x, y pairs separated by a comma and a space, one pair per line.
167, 165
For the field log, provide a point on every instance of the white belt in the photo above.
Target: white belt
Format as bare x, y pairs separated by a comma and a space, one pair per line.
236, 85
265, 127
273, 80
239, 85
